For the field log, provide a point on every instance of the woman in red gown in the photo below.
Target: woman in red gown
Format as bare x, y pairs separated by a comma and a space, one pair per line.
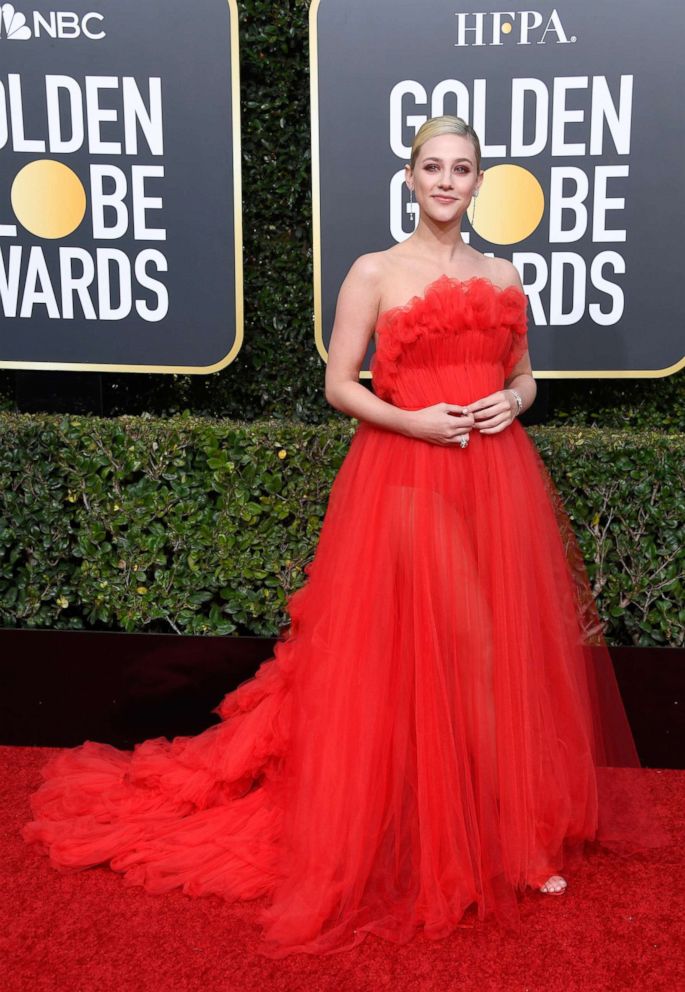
439, 727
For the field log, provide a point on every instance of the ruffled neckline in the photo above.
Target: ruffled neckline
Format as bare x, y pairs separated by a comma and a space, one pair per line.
510, 293
473, 315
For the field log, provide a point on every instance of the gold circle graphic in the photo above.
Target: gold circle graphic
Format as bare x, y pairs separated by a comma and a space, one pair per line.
48, 199
506, 28
509, 206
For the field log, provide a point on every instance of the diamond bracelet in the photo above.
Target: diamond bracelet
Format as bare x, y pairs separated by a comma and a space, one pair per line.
519, 401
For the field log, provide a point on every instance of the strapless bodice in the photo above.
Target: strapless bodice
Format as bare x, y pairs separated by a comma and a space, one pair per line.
455, 343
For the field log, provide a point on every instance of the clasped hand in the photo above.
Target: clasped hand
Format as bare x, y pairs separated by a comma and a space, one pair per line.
445, 423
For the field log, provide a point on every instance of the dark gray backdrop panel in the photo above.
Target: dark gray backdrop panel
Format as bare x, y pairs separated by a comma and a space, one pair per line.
362, 50
188, 46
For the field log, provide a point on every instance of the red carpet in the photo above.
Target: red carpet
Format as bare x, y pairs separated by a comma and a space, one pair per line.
618, 927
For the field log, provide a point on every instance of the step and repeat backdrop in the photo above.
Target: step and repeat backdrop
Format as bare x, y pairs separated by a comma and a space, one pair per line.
120, 234
579, 110
120, 196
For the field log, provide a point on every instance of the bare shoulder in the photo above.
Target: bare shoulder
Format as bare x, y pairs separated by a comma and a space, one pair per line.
367, 270
505, 273
368, 277
360, 292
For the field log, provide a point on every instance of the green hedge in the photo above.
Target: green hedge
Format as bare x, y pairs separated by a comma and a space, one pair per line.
203, 526
278, 372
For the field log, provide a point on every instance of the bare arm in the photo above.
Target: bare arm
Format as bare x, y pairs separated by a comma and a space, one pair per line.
521, 376
495, 412
356, 313
521, 379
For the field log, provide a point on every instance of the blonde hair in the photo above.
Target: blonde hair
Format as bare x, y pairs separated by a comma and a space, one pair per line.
447, 124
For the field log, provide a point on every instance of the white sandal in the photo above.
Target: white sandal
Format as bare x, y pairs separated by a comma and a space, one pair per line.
553, 892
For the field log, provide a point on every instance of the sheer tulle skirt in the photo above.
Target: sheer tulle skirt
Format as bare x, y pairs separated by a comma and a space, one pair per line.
439, 726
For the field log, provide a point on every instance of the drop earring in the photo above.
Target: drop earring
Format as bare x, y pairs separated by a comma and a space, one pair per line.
411, 205
473, 212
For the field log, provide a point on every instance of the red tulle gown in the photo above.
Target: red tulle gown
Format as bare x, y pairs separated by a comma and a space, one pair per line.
439, 726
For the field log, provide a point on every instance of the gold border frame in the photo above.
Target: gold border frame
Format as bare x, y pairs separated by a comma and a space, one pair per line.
238, 234
316, 242
316, 179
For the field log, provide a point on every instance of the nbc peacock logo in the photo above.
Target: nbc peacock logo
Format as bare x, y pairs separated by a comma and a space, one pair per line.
57, 24
13, 24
